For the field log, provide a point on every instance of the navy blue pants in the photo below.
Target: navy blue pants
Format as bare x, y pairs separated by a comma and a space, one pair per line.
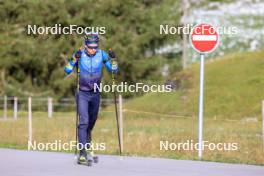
88, 107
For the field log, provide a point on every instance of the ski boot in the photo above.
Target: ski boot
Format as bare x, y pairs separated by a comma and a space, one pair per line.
85, 160
94, 157
91, 153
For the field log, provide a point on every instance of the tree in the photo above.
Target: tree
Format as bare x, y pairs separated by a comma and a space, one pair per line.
35, 62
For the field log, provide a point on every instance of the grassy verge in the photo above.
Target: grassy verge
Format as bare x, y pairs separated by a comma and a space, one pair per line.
233, 94
233, 90
142, 135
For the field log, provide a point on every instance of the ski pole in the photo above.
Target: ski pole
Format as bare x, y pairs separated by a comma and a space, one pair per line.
77, 107
117, 121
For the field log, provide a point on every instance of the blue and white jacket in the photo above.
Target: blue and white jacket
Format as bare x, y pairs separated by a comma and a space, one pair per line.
90, 68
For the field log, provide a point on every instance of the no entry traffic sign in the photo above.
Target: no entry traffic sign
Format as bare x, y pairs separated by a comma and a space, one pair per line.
204, 38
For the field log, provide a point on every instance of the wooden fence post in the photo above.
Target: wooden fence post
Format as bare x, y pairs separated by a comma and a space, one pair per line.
50, 107
263, 125
5, 107
29, 120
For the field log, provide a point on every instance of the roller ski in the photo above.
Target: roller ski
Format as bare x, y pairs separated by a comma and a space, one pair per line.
94, 157
82, 160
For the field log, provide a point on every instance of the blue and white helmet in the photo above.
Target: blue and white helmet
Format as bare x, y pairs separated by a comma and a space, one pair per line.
91, 39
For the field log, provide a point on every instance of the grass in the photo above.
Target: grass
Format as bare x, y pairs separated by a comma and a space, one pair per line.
142, 135
233, 94
233, 90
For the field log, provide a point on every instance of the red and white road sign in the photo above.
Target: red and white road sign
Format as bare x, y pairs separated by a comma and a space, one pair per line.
204, 38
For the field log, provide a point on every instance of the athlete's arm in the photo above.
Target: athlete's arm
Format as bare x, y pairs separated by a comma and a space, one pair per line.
72, 63
107, 62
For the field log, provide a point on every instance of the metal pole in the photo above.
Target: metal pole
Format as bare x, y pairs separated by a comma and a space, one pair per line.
200, 128
121, 122
77, 107
116, 113
29, 120
5, 107
15, 108
117, 123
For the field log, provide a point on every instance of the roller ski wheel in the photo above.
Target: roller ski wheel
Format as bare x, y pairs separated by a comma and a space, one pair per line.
95, 157
89, 162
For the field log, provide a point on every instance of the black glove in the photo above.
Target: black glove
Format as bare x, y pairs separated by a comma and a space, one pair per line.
111, 53
78, 54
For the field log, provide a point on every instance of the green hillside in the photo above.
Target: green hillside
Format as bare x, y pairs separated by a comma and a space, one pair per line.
234, 88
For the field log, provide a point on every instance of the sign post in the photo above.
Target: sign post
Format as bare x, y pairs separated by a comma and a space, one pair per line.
204, 39
200, 126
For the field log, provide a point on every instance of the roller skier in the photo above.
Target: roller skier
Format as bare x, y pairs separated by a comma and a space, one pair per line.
89, 61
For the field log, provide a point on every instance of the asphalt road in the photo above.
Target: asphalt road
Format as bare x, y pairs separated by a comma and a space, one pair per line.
33, 163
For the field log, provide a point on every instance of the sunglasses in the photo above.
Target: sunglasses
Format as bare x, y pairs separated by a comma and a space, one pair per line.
92, 47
